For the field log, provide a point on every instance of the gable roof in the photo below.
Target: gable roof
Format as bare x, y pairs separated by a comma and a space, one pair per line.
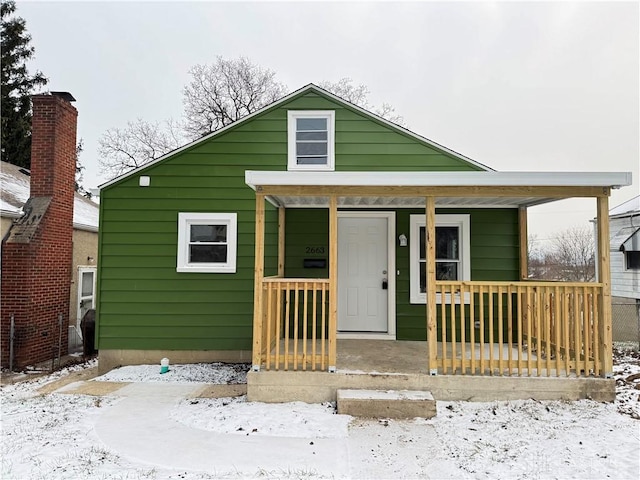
300, 92
15, 189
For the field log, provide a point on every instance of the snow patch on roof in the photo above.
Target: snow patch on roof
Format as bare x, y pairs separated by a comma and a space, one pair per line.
14, 192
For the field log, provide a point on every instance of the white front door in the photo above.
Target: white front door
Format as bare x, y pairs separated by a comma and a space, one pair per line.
364, 272
86, 291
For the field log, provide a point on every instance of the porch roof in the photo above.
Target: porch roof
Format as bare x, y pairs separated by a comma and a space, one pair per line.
451, 189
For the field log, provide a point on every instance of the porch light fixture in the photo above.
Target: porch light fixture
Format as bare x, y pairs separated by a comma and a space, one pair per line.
403, 240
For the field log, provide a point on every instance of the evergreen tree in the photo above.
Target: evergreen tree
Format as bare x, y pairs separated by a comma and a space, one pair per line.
16, 87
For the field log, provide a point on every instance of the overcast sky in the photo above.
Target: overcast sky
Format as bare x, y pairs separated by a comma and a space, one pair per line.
516, 86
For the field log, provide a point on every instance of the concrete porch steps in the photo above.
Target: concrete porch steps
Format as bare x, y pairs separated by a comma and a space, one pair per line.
386, 403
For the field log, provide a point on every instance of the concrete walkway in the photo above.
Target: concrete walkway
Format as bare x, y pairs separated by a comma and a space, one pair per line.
138, 427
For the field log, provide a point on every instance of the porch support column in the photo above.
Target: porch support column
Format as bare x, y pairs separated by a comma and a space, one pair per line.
430, 265
257, 288
281, 225
604, 277
524, 243
333, 280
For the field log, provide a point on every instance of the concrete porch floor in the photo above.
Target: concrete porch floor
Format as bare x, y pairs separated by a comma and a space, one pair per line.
402, 365
382, 356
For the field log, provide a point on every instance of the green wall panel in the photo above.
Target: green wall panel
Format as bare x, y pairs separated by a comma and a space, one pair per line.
143, 303
309, 228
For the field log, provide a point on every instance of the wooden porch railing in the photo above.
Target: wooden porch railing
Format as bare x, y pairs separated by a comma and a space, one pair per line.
524, 328
295, 324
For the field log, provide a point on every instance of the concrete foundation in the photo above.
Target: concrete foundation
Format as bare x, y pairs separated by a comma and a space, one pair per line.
386, 404
317, 387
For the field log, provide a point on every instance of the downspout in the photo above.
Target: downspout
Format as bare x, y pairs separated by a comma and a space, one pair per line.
12, 334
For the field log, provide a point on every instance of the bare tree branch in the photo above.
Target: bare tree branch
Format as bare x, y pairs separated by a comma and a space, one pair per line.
217, 95
359, 95
226, 91
140, 142
570, 257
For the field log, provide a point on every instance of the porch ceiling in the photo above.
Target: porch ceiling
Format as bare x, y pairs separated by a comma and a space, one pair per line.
406, 202
451, 189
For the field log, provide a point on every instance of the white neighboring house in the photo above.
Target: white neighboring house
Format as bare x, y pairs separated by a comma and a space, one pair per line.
14, 192
624, 222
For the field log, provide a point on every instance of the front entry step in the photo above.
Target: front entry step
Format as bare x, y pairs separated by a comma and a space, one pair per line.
386, 403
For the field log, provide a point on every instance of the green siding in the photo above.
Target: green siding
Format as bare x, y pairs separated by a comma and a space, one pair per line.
497, 227
309, 228
143, 303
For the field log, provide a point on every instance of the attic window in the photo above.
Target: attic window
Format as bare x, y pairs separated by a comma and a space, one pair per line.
207, 242
311, 137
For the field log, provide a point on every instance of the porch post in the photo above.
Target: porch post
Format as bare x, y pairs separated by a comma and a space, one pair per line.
604, 277
430, 265
333, 280
524, 243
281, 225
257, 288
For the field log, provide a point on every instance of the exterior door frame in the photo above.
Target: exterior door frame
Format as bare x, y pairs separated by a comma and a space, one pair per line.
79, 297
391, 274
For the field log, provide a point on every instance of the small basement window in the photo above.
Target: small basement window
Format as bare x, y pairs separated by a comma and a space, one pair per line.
311, 137
207, 242
632, 259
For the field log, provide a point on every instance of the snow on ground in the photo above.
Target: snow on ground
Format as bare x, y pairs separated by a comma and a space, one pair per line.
216, 373
237, 416
54, 436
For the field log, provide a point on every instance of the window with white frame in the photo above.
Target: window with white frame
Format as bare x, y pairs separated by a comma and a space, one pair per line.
311, 137
453, 260
207, 242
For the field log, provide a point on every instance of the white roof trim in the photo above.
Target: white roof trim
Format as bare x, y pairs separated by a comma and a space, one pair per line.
84, 227
285, 99
405, 130
450, 179
631, 244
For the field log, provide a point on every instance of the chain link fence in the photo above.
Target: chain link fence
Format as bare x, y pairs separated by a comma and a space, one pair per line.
626, 322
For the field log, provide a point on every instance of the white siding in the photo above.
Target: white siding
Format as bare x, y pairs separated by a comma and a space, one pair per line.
624, 283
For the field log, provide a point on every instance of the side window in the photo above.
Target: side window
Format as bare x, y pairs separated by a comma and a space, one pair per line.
452, 252
207, 242
311, 138
632, 258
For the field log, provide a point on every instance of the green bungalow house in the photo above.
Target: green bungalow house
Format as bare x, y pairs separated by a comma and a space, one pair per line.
333, 249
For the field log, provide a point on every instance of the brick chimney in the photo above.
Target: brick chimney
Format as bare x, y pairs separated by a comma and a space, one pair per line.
37, 251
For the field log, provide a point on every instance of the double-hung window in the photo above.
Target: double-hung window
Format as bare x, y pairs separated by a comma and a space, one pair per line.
311, 137
452, 252
207, 242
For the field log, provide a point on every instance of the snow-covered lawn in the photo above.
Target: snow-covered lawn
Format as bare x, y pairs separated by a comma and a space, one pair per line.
70, 436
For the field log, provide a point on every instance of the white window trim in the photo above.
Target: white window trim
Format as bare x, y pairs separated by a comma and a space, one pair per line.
185, 220
292, 116
462, 221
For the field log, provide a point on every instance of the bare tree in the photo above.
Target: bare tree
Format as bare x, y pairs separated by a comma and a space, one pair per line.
226, 91
574, 254
217, 95
570, 256
535, 257
123, 149
359, 95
